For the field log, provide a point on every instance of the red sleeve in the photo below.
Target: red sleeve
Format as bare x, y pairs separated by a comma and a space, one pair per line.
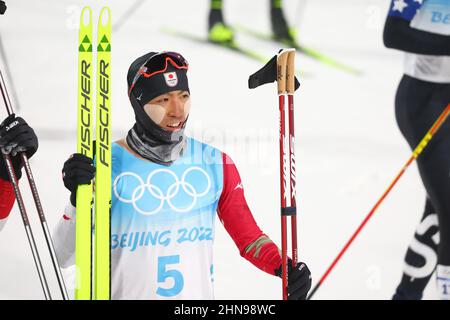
237, 219
7, 198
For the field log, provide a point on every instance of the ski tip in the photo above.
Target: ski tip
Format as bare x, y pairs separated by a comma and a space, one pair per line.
86, 17
105, 17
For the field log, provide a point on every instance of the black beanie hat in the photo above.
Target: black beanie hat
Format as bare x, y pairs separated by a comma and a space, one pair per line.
145, 89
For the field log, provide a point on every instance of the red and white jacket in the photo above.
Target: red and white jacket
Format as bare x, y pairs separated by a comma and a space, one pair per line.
7, 199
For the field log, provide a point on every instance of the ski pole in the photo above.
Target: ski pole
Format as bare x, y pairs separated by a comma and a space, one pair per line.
281, 83
24, 215
281, 68
8, 75
290, 88
417, 151
27, 226
38, 205
286, 86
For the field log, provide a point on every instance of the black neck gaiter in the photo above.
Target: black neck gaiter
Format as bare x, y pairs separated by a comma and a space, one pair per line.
149, 145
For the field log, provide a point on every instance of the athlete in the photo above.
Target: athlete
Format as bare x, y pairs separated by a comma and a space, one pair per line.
421, 28
220, 32
15, 136
166, 190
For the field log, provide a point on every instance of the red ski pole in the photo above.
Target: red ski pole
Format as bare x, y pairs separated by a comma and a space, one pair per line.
290, 86
281, 68
281, 83
286, 86
417, 151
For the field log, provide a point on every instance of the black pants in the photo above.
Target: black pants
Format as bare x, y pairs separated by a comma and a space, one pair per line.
417, 106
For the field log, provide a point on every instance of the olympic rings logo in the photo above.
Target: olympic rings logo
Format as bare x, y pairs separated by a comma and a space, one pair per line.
158, 194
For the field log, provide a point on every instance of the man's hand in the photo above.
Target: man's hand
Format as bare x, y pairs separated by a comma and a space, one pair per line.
77, 170
16, 136
299, 280
2, 7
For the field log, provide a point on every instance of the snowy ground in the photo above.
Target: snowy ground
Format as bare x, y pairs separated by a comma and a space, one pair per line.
348, 145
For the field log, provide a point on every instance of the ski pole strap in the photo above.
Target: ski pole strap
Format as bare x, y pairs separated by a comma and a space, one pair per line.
289, 211
267, 74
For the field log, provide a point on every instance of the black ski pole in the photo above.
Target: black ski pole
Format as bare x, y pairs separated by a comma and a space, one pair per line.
26, 223
8, 75
20, 203
37, 202
3, 54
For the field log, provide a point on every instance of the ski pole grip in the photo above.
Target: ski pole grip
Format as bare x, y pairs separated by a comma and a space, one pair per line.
281, 70
290, 72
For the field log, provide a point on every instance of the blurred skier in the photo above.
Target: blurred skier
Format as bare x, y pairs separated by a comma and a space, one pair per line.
220, 32
15, 136
166, 190
422, 30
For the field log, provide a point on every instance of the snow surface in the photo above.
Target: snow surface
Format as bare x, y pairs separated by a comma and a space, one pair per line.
348, 145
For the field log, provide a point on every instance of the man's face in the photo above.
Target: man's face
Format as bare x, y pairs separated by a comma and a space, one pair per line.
169, 110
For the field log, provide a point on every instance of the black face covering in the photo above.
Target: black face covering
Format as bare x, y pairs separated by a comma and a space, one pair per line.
146, 138
148, 147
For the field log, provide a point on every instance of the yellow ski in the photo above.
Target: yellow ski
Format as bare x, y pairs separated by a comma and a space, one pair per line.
83, 242
102, 234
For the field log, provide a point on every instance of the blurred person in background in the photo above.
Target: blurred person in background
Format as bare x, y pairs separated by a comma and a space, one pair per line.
219, 31
421, 29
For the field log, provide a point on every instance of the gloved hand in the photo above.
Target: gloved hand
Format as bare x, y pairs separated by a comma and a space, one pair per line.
78, 169
16, 136
299, 280
2, 7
